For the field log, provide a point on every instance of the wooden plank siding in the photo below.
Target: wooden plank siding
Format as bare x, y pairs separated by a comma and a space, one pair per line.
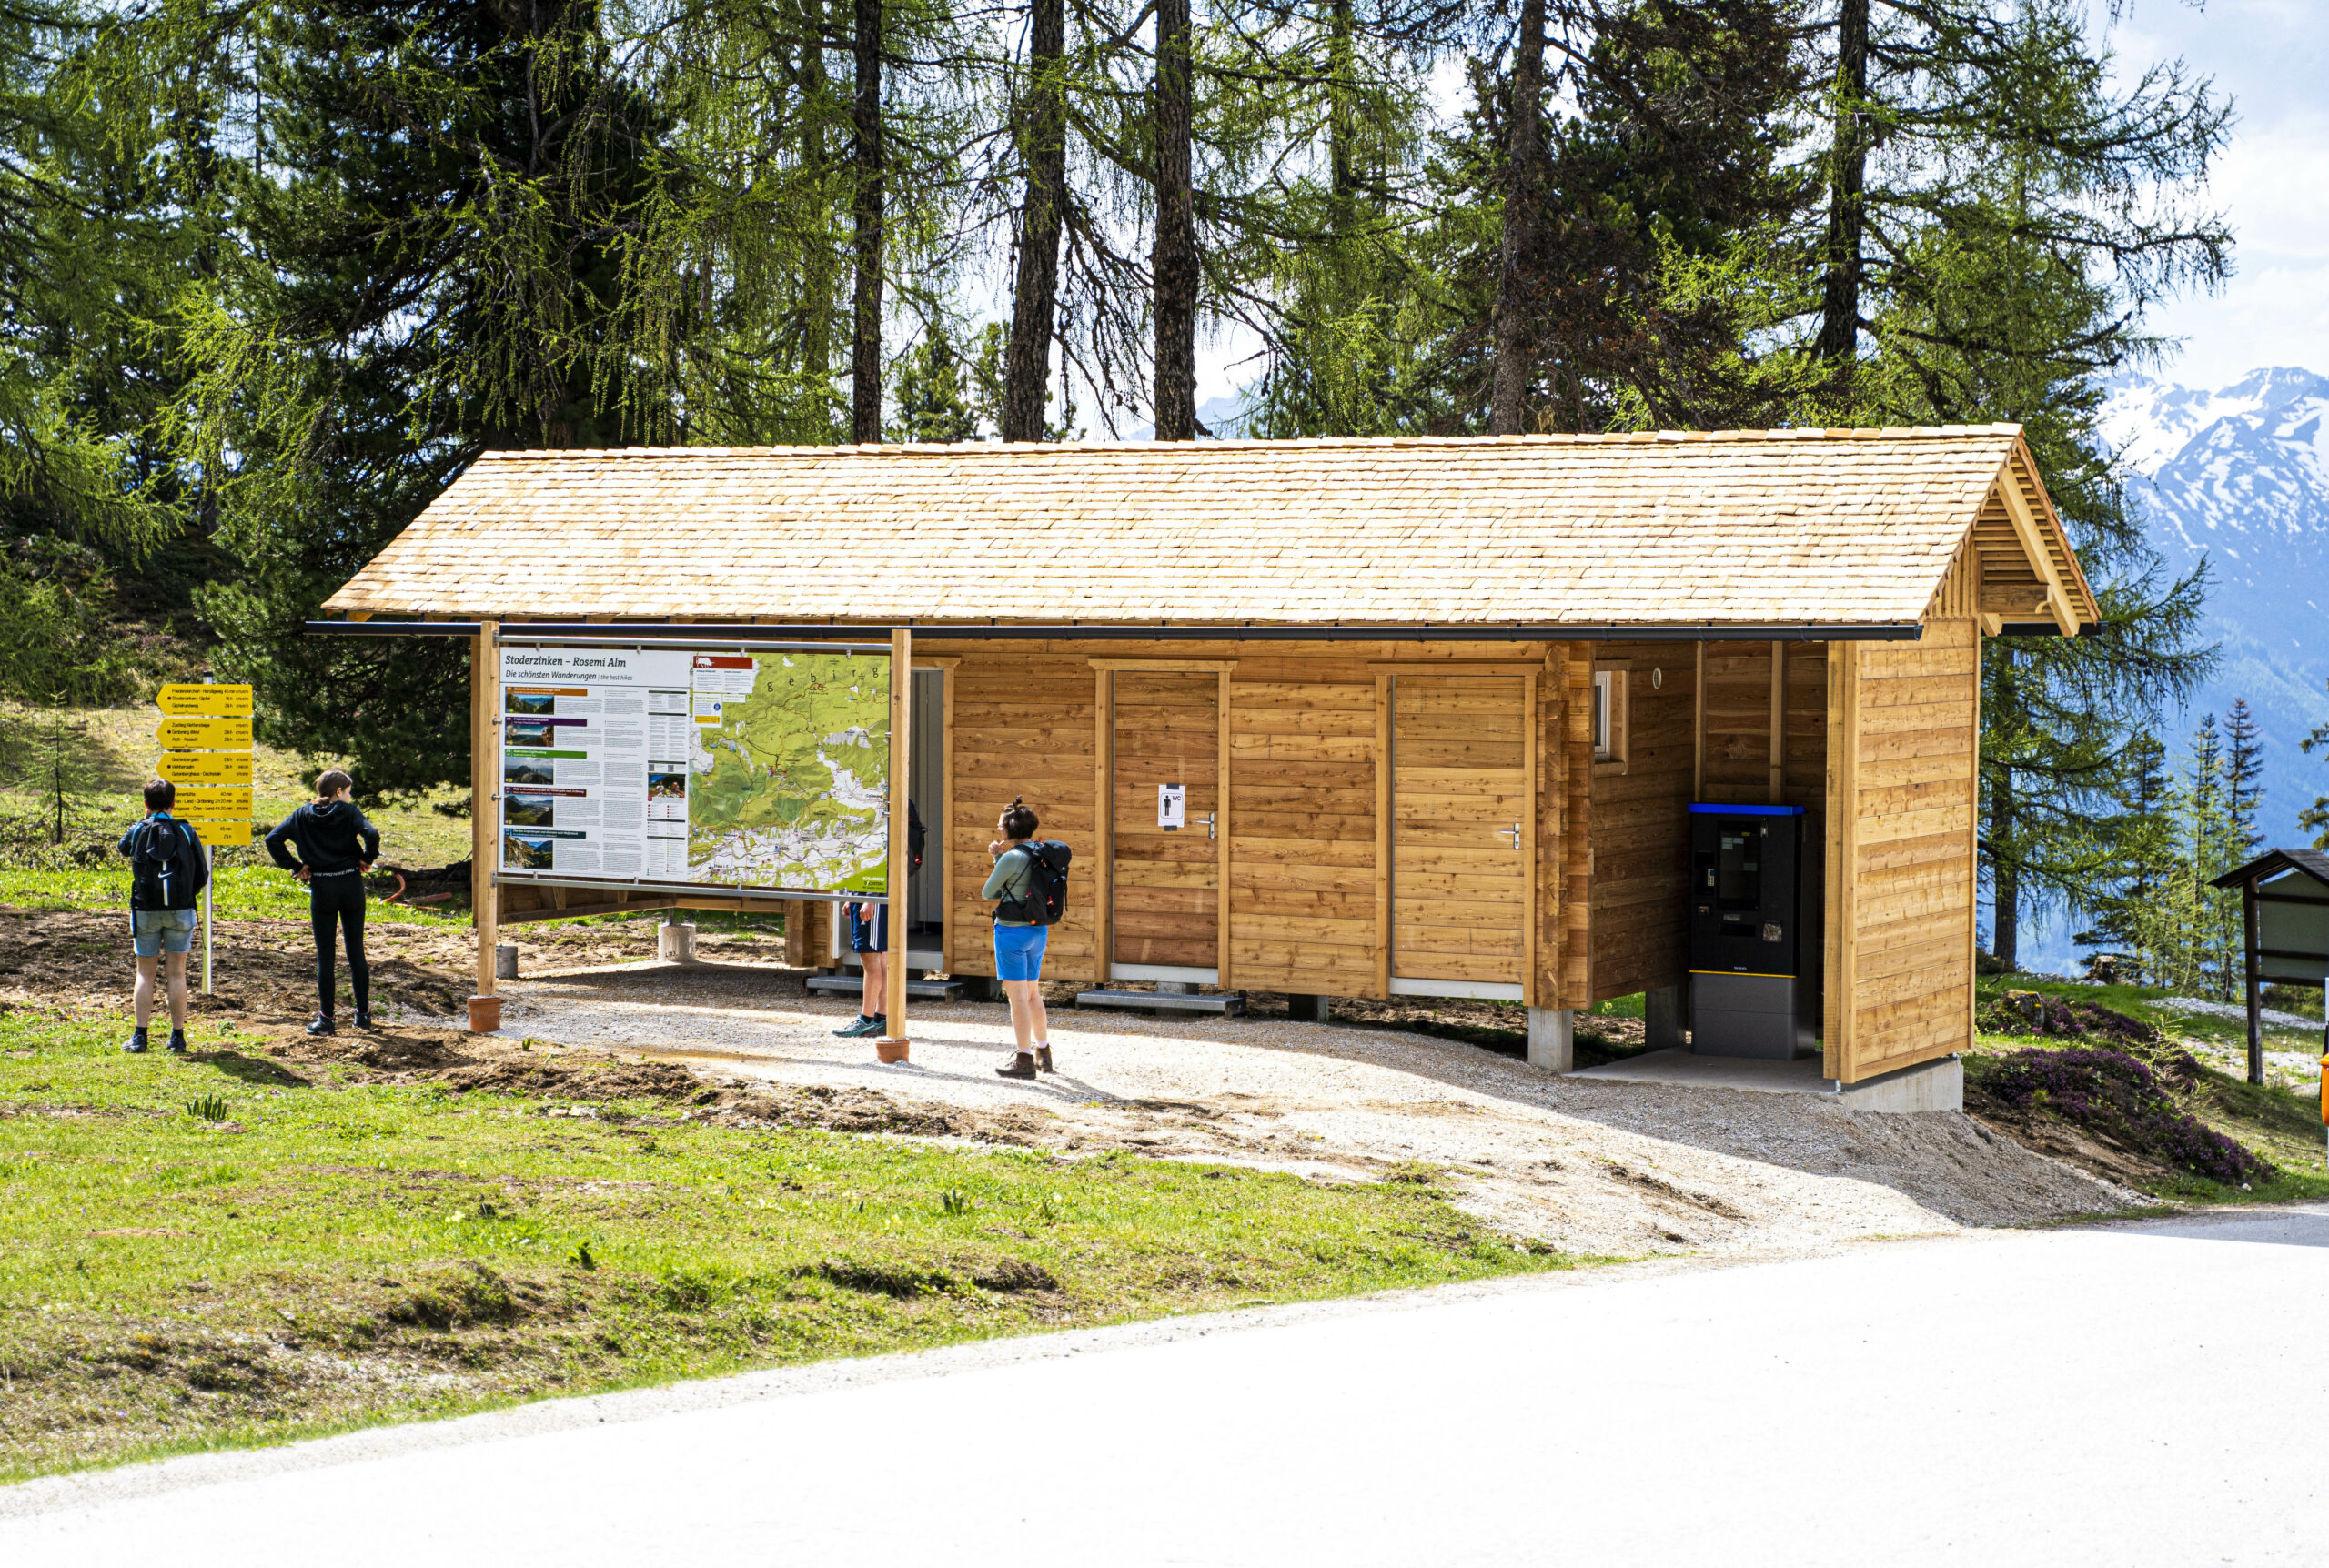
1303, 903
1902, 795
1023, 727
1639, 845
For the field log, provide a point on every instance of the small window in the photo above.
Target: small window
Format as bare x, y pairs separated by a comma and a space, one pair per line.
1609, 717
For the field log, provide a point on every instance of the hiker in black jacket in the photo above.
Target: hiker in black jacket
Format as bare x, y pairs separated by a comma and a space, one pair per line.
336, 846
166, 869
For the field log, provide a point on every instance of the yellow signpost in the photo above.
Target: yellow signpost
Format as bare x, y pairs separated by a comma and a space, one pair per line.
206, 700
186, 734
209, 803
207, 768
205, 735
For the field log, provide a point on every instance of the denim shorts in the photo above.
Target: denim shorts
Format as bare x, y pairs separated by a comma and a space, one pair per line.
1019, 952
153, 932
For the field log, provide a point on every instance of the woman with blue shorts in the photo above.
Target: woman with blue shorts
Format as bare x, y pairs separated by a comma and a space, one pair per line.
1019, 939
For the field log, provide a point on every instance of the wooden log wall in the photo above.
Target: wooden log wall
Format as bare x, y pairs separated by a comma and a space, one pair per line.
1640, 838
1303, 734
1901, 789
1301, 852
1022, 716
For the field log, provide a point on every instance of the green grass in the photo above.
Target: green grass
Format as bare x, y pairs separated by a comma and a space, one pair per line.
2141, 1002
238, 892
294, 1251
2282, 1124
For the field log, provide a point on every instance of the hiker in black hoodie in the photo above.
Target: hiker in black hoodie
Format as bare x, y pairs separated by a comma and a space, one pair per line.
336, 846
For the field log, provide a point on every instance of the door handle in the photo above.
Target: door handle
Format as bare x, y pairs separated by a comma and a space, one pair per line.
1209, 825
1514, 831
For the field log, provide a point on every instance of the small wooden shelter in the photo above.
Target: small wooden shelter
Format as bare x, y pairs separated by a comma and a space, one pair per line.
1437, 705
2285, 922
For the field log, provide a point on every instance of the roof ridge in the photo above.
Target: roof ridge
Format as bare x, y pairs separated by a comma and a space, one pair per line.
1306, 443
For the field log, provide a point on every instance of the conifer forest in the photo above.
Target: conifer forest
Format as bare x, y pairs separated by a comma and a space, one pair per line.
273, 274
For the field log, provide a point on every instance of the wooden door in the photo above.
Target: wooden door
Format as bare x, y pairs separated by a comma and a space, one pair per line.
1165, 920
1461, 840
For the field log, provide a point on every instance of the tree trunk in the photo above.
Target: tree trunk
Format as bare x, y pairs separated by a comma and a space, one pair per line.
865, 208
2005, 880
1524, 190
1174, 264
1839, 307
1342, 121
817, 273
1035, 301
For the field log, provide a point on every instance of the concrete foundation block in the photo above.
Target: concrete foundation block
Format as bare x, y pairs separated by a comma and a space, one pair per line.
505, 961
1928, 1086
1665, 1014
1309, 1009
675, 944
1552, 1039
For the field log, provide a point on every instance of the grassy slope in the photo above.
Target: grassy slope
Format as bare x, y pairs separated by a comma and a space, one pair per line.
338, 1252
2275, 1120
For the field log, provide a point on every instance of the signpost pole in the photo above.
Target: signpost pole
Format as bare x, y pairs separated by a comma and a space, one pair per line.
901, 857
209, 914
484, 839
2255, 998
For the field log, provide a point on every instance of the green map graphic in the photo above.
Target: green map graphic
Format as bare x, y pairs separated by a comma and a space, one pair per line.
792, 788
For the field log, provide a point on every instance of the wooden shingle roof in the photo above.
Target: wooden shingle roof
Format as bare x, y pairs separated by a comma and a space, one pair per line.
1745, 527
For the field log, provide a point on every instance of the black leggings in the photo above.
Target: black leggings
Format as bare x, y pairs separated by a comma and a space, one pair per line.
339, 899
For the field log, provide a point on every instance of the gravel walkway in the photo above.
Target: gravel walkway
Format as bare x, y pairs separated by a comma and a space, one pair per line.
2233, 1009
1591, 1167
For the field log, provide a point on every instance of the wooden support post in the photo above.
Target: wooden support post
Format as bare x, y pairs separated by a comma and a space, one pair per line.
1385, 804
1778, 723
1103, 825
901, 855
485, 817
1222, 821
2255, 984
1698, 727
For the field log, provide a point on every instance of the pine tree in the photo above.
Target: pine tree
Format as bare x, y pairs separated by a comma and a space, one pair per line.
933, 392
2243, 770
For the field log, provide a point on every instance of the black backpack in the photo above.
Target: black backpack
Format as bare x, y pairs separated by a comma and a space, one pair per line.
916, 837
1047, 901
165, 868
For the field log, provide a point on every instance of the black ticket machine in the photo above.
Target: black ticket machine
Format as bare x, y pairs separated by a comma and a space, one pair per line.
1754, 934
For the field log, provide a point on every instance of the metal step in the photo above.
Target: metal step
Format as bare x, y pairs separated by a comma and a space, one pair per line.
1228, 1003
854, 985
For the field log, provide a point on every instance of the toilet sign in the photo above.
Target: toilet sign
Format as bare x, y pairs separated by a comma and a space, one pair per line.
1172, 807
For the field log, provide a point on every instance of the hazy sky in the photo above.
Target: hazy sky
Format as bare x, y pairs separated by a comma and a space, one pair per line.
2272, 58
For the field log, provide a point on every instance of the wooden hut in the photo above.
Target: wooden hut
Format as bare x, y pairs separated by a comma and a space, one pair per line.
1438, 706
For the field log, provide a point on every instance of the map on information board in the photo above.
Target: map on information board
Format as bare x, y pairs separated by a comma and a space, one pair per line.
791, 771
669, 766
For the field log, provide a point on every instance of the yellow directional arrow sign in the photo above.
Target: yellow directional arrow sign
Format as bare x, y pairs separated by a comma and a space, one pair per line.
207, 768
217, 701
213, 804
190, 734
235, 835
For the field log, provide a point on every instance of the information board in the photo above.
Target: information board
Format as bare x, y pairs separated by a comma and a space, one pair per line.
694, 767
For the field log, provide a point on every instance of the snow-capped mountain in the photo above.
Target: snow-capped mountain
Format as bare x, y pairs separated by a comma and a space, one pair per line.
2240, 476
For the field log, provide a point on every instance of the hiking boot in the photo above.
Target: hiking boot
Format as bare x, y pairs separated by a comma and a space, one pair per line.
862, 1027
321, 1024
135, 1044
1043, 1059
363, 1018
1020, 1065
177, 1043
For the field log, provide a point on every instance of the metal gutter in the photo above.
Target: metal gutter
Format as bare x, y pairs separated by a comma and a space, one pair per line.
727, 634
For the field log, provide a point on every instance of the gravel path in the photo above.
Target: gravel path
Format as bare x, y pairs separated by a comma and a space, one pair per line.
2273, 1016
1591, 1167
